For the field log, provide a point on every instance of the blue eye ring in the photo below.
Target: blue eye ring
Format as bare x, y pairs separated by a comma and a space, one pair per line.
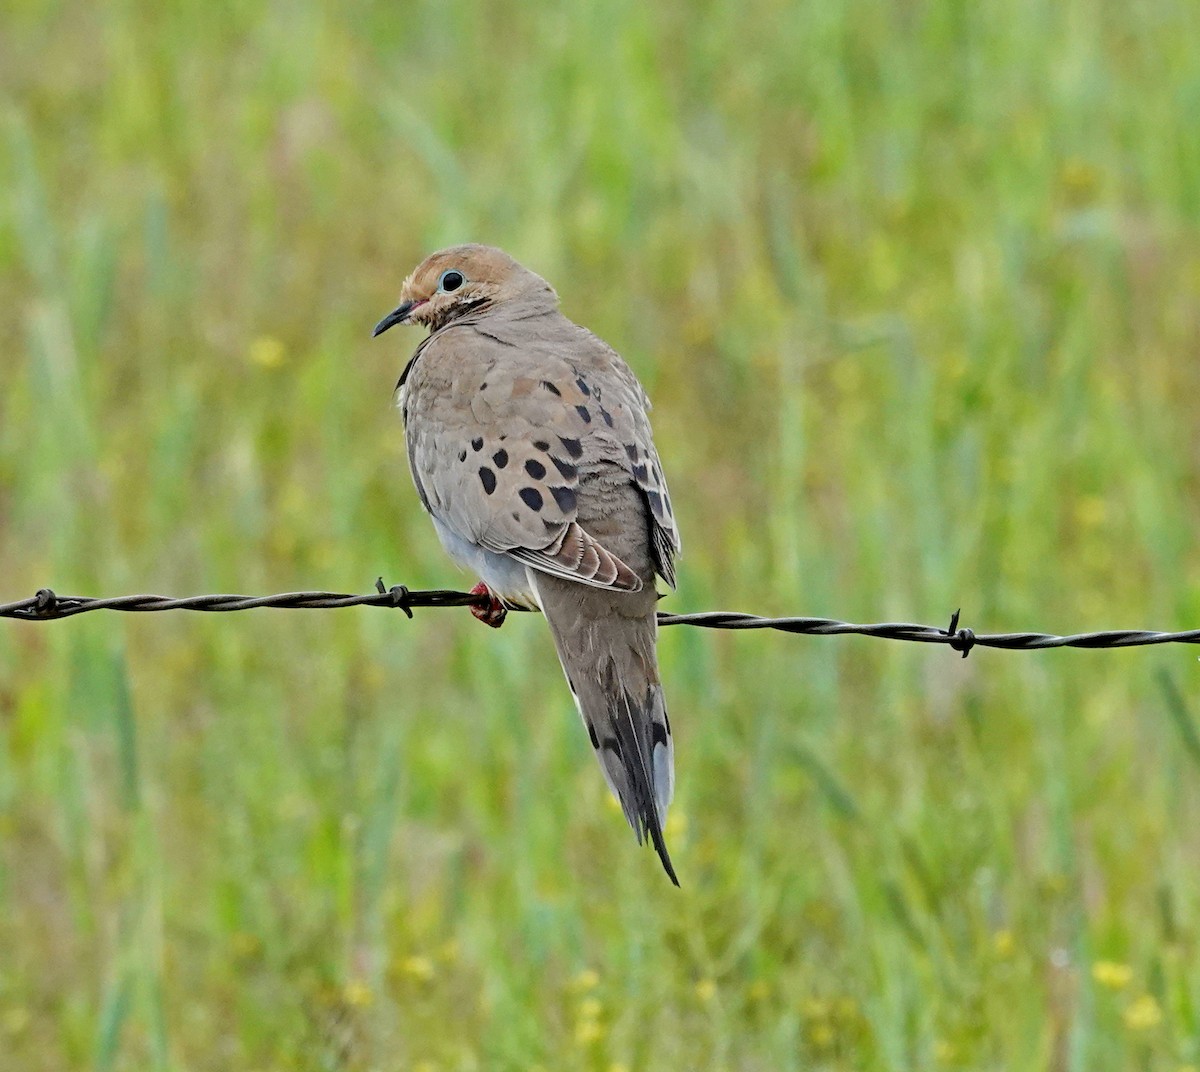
450, 280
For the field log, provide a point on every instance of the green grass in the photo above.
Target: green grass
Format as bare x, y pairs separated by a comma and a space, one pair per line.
914, 289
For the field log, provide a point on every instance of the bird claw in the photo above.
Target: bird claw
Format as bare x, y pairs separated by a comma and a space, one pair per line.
494, 613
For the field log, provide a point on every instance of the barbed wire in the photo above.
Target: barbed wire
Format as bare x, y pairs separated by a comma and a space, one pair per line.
46, 605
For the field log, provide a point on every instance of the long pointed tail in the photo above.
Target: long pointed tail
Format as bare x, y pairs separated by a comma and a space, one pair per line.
636, 755
605, 642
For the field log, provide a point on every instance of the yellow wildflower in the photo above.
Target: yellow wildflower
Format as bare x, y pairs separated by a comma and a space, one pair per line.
417, 967
590, 1009
1090, 511
267, 352
1143, 1014
759, 990
588, 1031
357, 994
1111, 974
821, 1035
944, 1051
815, 1008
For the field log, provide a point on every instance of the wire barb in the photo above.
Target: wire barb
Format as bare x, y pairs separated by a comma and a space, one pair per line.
960, 639
47, 606
398, 594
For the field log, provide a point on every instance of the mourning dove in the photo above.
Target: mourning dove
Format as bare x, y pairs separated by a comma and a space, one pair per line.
530, 446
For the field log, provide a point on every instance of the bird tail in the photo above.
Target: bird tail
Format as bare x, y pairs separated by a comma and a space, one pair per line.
610, 663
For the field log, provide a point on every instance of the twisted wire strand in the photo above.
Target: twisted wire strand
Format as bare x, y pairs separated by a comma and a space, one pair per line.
46, 605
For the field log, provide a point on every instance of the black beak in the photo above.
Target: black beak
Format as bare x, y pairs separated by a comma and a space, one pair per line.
396, 316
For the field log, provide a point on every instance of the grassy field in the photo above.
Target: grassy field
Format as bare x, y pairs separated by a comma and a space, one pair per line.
915, 290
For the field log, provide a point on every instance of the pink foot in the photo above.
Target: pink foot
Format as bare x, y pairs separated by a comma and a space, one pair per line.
494, 613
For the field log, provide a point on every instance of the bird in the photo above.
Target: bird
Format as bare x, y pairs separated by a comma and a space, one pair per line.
529, 443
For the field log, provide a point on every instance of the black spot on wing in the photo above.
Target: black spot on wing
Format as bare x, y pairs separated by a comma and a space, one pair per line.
462, 455
531, 497
607, 416
572, 446
592, 734
658, 734
565, 498
582, 385
487, 478
632, 450
540, 444
584, 415
551, 388
477, 443
566, 469
535, 469
500, 458
640, 474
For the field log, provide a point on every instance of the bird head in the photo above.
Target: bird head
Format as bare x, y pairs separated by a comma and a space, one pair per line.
453, 282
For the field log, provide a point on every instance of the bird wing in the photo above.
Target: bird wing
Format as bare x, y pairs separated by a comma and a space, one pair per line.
499, 430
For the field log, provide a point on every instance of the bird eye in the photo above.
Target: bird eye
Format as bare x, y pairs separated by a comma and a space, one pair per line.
450, 281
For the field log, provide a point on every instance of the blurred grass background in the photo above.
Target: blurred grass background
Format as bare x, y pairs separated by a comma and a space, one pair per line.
914, 288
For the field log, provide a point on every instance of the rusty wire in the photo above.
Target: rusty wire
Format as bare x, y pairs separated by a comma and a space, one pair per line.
48, 606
